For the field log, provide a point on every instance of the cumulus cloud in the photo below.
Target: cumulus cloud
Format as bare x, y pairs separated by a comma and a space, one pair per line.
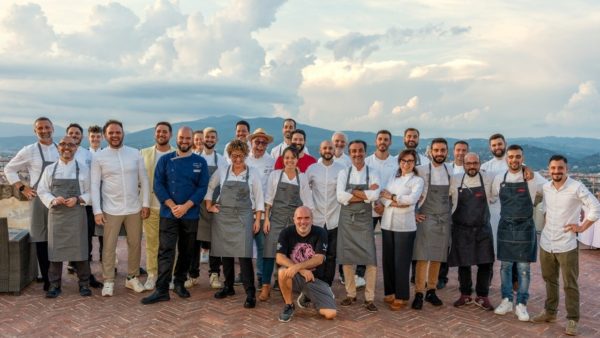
582, 109
454, 70
26, 31
410, 106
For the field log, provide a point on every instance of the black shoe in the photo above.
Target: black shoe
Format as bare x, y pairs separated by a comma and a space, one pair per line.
53, 292
181, 291
84, 291
156, 297
95, 283
250, 302
224, 292
143, 272
441, 284
287, 313
46, 286
432, 298
417, 303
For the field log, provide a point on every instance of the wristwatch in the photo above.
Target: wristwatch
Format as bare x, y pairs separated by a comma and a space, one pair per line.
393, 197
22, 187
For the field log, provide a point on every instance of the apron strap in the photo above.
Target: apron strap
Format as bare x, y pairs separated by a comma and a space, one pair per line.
217, 161
43, 162
367, 175
482, 186
504, 179
348, 177
297, 178
227, 174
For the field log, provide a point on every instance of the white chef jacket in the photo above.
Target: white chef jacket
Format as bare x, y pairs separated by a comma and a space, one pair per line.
495, 165
408, 189
357, 177
64, 171
323, 183
84, 156
210, 159
387, 170
344, 160
122, 173
305, 192
458, 169
29, 159
563, 207
264, 165
254, 182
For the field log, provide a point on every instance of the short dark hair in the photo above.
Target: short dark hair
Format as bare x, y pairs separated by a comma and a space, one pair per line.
290, 120
201, 131
557, 157
109, 122
461, 142
403, 153
411, 129
94, 129
514, 147
439, 140
164, 123
243, 123
41, 118
495, 136
358, 141
291, 149
74, 125
384, 131
299, 131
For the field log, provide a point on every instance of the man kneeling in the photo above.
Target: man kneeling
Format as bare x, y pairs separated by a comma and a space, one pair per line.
300, 253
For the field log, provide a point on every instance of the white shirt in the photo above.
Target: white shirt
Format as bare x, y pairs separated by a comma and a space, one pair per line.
84, 156
323, 183
534, 185
29, 159
154, 202
122, 172
458, 169
278, 150
210, 159
439, 176
357, 177
563, 207
495, 165
263, 165
254, 183
423, 159
344, 160
305, 192
470, 182
387, 170
226, 155
93, 151
408, 189
68, 171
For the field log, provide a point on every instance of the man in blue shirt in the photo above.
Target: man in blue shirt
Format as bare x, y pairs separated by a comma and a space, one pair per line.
180, 183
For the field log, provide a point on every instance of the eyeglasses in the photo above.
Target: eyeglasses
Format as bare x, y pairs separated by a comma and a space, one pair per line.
237, 156
65, 145
471, 163
261, 143
403, 161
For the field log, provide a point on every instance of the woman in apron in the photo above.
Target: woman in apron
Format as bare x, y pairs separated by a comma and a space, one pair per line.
398, 229
240, 202
287, 189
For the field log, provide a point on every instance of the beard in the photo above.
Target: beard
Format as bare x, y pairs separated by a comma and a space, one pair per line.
411, 145
327, 156
209, 146
299, 147
184, 148
439, 159
499, 152
472, 172
557, 177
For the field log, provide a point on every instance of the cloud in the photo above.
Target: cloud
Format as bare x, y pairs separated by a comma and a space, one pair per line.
26, 31
454, 70
410, 106
581, 111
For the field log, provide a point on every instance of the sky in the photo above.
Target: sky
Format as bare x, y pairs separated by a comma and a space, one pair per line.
450, 68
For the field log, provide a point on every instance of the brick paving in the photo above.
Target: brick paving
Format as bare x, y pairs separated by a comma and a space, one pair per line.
32, 315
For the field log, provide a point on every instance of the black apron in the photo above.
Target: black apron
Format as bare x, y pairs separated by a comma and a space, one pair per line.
286, 201
517, 240
232, 234
205, 220
472, 238
67, 227
356, 237
433, 234
38, 231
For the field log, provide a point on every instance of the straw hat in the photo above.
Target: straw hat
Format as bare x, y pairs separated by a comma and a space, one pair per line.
261, 133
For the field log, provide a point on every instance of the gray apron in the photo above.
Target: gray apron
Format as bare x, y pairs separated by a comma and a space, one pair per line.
231, 234
433, 234
285, 202
206, 218
356, 237
38, 231
67, 227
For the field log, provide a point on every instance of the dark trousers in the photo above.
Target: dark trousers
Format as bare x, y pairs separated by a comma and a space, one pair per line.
246, 270
214, 263
41, 249
397, 251
443, 276
483, 279
180, 233
360, 269
91, 222
82, 268
329, 265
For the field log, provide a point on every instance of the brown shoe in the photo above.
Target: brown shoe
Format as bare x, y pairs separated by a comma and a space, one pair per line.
389, 299
397, 305
265, 293
348, 301
544, 317
370, 306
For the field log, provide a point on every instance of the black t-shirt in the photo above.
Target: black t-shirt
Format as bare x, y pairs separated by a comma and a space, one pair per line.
300, 249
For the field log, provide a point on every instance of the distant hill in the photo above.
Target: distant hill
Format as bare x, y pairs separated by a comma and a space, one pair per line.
583, 153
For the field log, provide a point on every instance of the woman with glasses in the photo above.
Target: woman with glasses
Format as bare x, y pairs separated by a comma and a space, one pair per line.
398, 229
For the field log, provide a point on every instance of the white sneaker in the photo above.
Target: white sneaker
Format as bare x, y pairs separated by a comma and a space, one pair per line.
134, 284
204, 256
190, 282
150, 282
107, 290
360, 282
215, 283
505, 307
521, 312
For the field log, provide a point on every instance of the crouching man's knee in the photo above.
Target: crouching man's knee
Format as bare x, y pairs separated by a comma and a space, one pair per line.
328, 313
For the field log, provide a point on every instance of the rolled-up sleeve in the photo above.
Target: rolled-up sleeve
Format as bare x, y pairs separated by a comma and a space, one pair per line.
590, 202
19, 162
343, 196
213, 183
373, 195
258, 198
44, 189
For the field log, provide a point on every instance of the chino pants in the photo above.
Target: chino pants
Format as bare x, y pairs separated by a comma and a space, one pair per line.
151, 225
112, 227
552, 264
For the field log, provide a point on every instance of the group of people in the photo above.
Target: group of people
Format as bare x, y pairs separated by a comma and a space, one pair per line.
302, 217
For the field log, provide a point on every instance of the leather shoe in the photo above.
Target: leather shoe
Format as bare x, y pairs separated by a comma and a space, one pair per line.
181, 291
53, 292
224, 292
155, 297
84, 291
250, 302
95, 283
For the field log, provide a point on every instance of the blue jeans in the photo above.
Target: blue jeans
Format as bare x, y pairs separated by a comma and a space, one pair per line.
259, 240
523, 270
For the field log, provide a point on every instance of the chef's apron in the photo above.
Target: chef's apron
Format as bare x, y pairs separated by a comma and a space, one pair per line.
67, 227
433, 234
231, 234
472, 238
286, 201
517, 240
38, 231
206, 218
355, 238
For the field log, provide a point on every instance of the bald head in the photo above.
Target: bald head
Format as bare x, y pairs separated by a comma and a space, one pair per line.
326, 150
303, 220
185, 137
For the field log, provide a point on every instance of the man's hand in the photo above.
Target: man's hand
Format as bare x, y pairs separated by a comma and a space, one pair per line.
99, 219
575, 228
29, 193
256, 226
308, 275
58, 201
70, 202
291, 271
215, 208
179, 210
527, 173
374, 186
267, 226
420, 217
145, 213
378, 207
